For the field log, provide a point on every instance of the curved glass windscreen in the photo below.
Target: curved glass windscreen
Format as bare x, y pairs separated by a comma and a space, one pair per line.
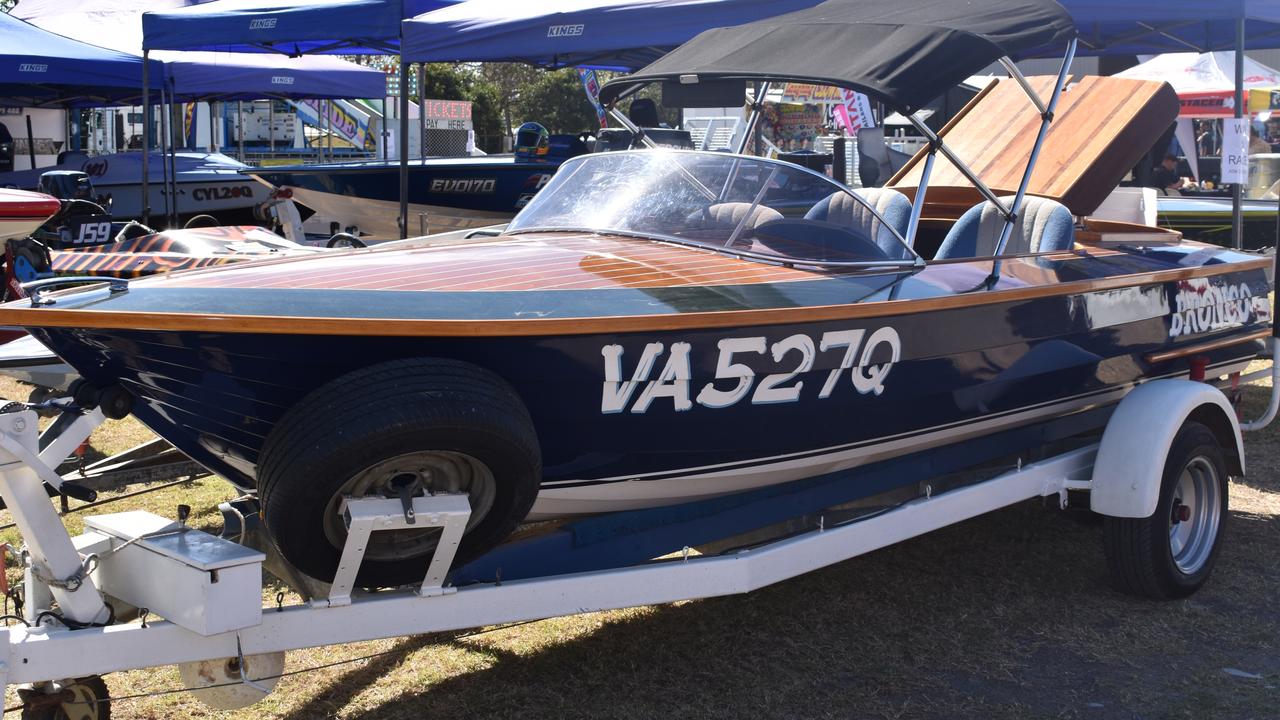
750, 206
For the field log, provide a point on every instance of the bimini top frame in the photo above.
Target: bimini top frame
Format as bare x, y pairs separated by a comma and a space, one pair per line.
895, 52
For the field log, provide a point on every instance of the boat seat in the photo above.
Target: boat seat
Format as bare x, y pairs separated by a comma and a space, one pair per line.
715, 222
841, 209
1043, 225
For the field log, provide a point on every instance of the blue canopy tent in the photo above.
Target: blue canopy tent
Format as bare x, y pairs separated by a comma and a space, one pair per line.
117, 24
1133, 27
40, 68
291, 27
616, 34
295, 28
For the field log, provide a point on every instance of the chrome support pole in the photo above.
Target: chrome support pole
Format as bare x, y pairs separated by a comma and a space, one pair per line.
625, 121
1012, 68
146, 136
753, 118
959, 164
1046, 118
917, 207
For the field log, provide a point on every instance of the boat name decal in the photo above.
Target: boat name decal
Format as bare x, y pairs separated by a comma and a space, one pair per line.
532, 185
1203, 307
95, 168
866, 358
565, 30
33, 67
263, 23
91, 232
464, 186
221, 192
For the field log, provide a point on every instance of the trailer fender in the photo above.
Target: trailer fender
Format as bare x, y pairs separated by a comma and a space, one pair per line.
1135, 444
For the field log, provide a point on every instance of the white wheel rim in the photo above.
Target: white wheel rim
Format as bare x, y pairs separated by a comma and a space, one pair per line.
1195, 515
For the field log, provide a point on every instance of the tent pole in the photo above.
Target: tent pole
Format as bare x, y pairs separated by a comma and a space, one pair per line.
1237, 190
31, 143
213, 135
422, 112
271, 127
146, 137
164, 145
173, 152
404, 148
240, 128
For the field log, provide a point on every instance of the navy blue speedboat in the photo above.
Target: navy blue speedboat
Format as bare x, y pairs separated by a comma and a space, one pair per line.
660, 326
445, 193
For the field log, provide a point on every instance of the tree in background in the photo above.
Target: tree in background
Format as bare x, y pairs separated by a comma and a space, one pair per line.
555, 98
509, 79
453, 82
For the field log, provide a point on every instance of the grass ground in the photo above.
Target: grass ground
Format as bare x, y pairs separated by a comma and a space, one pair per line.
1006, 616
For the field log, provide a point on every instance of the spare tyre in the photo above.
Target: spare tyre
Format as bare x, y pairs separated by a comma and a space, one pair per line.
429, 425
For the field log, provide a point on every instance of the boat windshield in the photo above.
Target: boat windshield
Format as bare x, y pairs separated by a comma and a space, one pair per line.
752, 207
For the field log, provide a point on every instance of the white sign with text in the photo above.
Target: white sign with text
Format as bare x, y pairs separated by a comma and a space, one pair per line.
1235, 151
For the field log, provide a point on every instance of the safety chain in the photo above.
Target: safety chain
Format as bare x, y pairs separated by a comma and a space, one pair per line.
92, 560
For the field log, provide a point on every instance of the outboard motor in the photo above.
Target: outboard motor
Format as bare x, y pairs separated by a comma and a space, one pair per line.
6, 150
82, 221
67, 185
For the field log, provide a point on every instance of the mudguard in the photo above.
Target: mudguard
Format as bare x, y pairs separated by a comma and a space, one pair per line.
1136, 442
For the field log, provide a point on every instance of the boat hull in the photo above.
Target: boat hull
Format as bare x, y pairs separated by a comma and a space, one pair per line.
1209, 220
444, 193
636, 419
207, 183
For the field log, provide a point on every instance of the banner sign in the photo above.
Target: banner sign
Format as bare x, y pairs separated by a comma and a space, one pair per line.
1235, 151
591, 86
446, 114
347, 125
854, 112
805, 94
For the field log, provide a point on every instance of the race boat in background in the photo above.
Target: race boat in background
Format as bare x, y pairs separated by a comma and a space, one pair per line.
22, 212
445, 193
207, 184
662, 326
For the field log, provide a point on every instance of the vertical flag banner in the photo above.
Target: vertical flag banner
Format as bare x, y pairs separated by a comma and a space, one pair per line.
854, 112
591, 85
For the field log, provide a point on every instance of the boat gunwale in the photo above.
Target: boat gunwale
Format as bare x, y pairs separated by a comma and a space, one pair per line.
88, 318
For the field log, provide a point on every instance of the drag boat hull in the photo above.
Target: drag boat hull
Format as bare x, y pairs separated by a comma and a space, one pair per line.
444, 193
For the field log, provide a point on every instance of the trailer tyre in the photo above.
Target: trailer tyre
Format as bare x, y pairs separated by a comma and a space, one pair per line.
403, 426
1172, 553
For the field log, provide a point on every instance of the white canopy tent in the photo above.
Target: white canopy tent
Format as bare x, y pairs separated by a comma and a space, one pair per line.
1205, 83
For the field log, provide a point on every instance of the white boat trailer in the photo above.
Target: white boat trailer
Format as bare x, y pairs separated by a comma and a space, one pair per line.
207, 591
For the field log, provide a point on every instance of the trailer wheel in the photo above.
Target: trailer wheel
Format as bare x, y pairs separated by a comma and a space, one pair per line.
1171, 553
83, 699
408, 425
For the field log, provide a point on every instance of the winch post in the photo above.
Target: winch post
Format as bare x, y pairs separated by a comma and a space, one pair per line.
52, 552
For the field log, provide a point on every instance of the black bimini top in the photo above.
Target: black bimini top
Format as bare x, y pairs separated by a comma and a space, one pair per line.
902, 52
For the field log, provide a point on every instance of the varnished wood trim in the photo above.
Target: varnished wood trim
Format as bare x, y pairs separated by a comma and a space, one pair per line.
1205, 347
15, 314
919, 156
